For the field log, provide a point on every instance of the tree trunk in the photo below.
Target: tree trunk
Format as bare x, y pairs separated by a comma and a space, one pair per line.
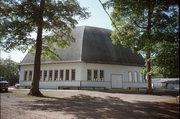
148, 55
148, 66
37, 61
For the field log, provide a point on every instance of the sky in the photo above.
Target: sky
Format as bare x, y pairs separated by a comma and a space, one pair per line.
98, 18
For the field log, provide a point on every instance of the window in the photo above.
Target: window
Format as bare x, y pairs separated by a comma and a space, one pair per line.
89, 74
56, 75
101, 75
25, 75
61, 74
130, 76
50, 75
30, 75
45, 75
144, 78
67, 74
40, 75
135, 76
73, 74
140, 78
95, 74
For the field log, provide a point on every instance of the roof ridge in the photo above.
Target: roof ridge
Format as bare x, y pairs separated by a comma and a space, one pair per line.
81, 49
95, 27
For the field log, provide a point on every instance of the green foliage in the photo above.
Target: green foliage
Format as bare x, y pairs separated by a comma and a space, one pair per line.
20, 18
148, 26
9, 70
52, 43
166, 60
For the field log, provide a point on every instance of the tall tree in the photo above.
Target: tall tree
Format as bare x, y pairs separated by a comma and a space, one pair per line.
9, 70
20, 18
141, 25
166, 60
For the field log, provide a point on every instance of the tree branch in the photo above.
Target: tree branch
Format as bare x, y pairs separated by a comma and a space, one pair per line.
109, 17
137, 24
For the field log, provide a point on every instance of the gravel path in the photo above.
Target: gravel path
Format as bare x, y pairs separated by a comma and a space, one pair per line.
82, 104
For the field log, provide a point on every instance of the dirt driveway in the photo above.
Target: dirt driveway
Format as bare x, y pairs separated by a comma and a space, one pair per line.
81, 104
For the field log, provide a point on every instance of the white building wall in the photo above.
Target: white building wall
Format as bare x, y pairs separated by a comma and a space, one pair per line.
53, 67
109, 70
81, 75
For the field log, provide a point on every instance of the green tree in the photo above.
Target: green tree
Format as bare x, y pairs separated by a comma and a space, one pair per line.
20, 18
9, 70
166, 60
142, 25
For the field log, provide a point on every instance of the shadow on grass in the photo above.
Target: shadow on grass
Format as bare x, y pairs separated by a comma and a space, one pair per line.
84, 106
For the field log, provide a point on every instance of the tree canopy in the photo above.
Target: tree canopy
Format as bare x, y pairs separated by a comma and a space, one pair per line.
147, 27
9, 70
166, 61
20, 18
138, 21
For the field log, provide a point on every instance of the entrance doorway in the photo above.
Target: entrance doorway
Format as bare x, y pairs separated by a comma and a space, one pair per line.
117, 80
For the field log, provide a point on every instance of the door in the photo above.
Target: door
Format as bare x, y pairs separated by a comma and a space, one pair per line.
116, 80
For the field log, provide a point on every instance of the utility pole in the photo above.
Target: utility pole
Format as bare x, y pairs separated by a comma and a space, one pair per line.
0, 57
0, 54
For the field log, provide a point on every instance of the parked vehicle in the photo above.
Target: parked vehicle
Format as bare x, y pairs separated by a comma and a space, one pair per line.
3, 84
17, 85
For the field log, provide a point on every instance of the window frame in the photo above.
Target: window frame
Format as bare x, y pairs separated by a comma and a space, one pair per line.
140, 77
55, 75
89, 77
45, 75
135, 76
67, 75
30, 76
130, 81
40, 75
101, 71
61, 74
95, 78
73, 74
50, 75
25, 75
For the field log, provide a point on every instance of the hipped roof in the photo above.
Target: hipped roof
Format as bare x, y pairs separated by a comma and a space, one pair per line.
93, 45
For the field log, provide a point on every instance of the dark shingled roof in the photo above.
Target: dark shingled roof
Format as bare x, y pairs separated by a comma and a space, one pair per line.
94, 45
